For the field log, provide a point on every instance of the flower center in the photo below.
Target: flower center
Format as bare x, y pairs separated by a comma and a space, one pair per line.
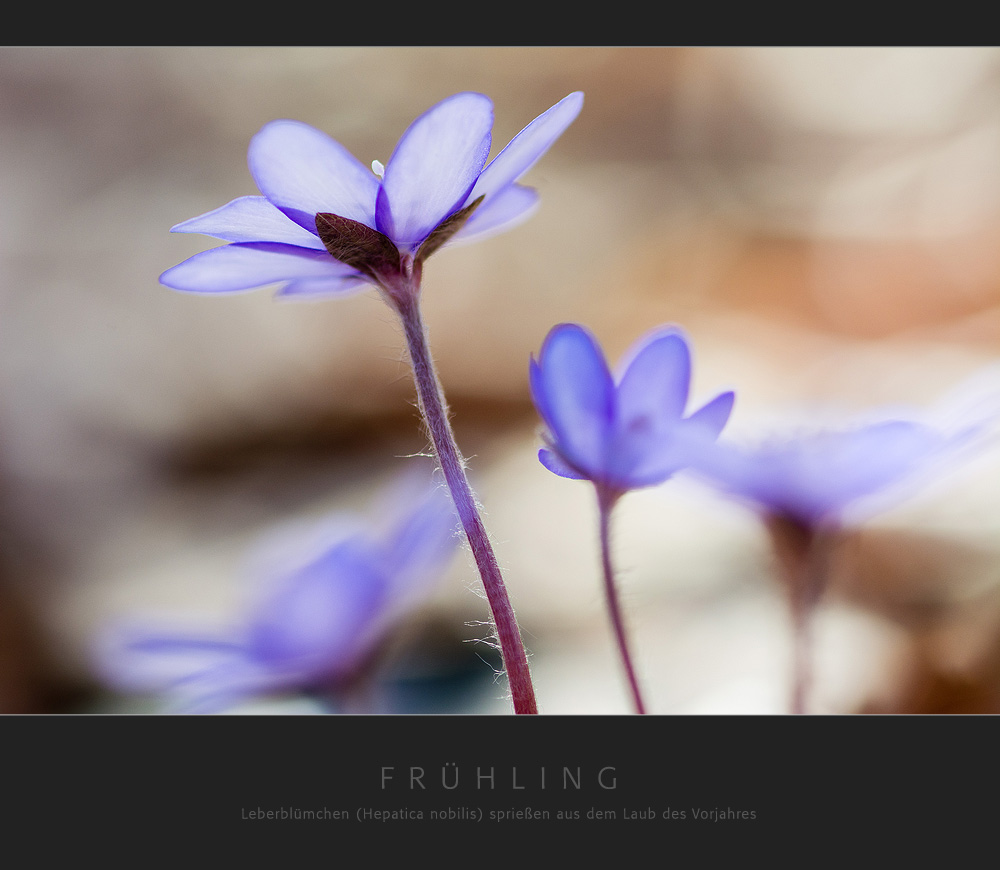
640, 425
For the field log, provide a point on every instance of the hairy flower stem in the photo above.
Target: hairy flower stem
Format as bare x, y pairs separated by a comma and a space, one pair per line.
801, 553
606, 500
435, 414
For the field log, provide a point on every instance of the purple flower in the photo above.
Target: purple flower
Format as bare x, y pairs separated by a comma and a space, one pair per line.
333, 592
621, 431
327, 225
815, 478
804, 486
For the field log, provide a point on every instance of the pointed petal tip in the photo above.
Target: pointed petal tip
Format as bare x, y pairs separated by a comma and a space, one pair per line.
554, 463
575, 99
187, 226
712, 417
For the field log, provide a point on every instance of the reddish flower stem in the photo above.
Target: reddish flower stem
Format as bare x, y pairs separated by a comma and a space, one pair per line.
606, 500
801, 552
435, 413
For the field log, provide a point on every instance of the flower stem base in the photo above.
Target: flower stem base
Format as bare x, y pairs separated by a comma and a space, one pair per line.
605, 503
435, 414
801, 554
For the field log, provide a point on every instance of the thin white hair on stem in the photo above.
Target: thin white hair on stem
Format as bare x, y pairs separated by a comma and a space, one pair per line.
493, 642
417, 455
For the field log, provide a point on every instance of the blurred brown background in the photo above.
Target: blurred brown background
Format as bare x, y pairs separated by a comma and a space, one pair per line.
823, 222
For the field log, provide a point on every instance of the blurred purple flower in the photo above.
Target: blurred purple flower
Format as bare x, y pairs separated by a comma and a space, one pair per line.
333, 593
815, 478
327, 225
621, 431
807, 486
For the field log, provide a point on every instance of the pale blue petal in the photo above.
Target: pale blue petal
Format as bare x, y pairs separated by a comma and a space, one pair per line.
303, 171
864, 461
652, 392
574, 393
645, 458
144, 658
324, 288
250, 219
654, 381
524, 150
419, 545
497, 214
433, 168
818, 476
554, 463
711, 418
738, 470
244, 266
321, 616
219, 688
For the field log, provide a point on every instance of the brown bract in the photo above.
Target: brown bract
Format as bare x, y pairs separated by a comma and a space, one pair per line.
357, 245
373, 253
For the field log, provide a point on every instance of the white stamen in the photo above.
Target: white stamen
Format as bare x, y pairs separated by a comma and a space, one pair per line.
378, 168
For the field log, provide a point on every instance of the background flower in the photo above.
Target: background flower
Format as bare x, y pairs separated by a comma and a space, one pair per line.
804, 485
332, 592
815, 477
624, 431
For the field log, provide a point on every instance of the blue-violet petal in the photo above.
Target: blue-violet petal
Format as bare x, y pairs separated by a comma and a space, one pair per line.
250, 219
433, 168
244, 266
303, 171
524, 150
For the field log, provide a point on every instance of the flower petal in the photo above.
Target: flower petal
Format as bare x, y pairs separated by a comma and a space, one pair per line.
302, 171
554, 463
652, 392
523, 151
324, 618
711, 418
323, 288
573, 391
499, 213
817, 477
648, 456
244, 266
141, 658
655, 378
433, 167
221, 687
420, 543
861, 462
250, 219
